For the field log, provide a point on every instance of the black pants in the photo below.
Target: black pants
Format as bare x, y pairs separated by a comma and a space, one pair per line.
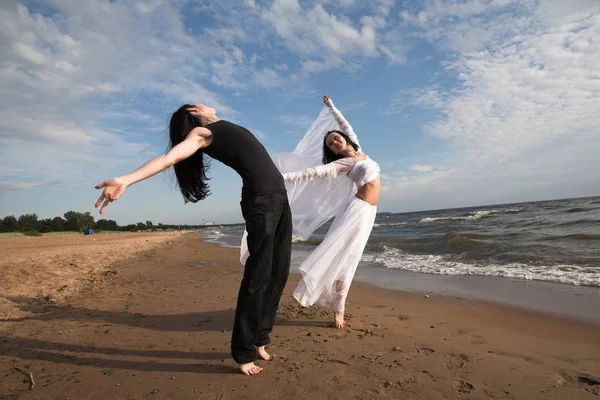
269, 225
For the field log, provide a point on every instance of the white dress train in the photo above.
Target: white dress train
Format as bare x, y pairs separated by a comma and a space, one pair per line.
328, 271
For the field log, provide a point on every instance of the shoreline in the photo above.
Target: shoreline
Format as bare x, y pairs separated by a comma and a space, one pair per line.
563, 300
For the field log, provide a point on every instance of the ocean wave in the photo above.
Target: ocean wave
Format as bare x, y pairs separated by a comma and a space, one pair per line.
472, 216
312, 240
573, 236
433, 219
583, 236
581, 222
580, 209
512, 210
457, 241
390, 224
440, 265
451, 235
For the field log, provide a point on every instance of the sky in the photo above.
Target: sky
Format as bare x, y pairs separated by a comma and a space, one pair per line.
461, 102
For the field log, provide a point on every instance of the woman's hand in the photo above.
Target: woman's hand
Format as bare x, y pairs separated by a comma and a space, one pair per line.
326, 98
113, 189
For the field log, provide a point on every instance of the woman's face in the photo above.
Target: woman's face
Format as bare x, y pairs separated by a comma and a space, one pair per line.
335, 142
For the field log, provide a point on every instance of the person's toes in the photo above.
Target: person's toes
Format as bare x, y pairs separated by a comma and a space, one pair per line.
250, 369
255, 370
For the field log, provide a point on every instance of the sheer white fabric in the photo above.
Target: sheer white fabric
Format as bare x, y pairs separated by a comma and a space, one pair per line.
313, 202
327, 171
328, 271
343, 123
364, 172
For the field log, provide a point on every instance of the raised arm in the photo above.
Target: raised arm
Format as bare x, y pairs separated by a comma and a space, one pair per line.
343, 123
327, 171
197, 139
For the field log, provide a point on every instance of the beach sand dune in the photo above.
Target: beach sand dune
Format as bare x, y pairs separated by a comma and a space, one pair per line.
160, 329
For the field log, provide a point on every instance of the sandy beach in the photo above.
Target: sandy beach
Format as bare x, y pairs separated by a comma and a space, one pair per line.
149, 316
57, 267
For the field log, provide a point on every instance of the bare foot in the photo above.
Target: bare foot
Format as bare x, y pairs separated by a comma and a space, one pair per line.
250, 369
263, 355
339, 319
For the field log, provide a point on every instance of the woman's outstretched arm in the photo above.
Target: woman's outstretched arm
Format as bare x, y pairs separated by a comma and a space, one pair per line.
327, 171
115, 187
344, 124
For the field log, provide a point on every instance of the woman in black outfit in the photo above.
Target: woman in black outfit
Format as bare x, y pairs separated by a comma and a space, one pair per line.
195, 130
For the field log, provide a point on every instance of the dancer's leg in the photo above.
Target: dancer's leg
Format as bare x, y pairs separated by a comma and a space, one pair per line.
259, 215
279, 272
339, 304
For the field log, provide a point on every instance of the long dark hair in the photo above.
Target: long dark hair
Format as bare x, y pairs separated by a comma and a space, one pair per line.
191, 172
330, 156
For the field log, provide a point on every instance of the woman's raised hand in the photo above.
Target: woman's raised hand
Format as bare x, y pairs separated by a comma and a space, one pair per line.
113, 189
326, 98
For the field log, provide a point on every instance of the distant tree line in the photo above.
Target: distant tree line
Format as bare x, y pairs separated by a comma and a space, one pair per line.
76, 222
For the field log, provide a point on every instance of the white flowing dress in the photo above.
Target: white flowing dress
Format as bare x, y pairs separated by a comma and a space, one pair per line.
317, 193
328, 271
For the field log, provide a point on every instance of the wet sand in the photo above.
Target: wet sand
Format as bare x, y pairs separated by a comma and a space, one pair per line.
159, 326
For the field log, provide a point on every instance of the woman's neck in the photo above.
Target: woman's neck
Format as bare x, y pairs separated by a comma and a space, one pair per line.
209, 120
350, 152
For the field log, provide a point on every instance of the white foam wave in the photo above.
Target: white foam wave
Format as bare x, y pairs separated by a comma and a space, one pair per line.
474, 216
442, 219
512, 210
432, 264
390, 224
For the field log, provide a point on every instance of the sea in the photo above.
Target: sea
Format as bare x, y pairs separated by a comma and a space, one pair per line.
542, 255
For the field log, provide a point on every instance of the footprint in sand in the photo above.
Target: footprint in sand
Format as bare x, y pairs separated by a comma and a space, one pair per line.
527, 359
457, 362
589, 384
588, 380
464, 387
425, 350
585, 382
337, 336
476, 339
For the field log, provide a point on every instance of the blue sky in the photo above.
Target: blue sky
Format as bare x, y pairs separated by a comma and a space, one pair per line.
462, 102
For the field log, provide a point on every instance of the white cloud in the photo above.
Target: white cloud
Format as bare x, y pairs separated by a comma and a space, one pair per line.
258, 133
12, 186
300, 121
421, 168
517, 96
54, 75
523, 118
406, 100
312, 32
268, 77
385, 6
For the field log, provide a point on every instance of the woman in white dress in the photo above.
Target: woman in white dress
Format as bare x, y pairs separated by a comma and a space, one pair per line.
349, 190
